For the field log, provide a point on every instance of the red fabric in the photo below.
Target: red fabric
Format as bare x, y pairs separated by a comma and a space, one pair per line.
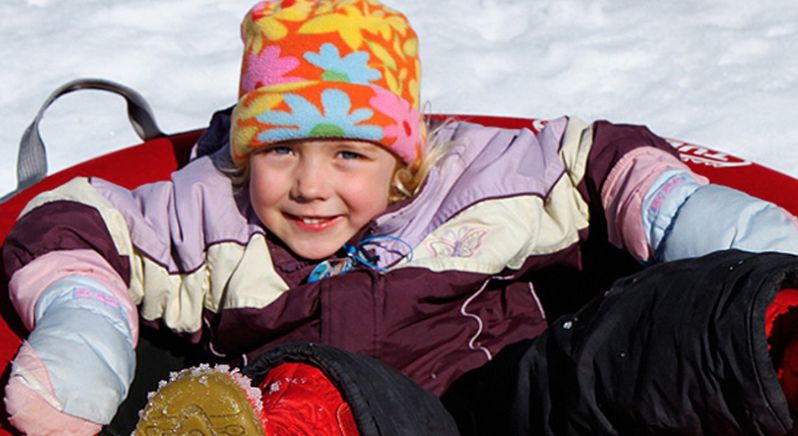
785, 299
781, 328
298, 399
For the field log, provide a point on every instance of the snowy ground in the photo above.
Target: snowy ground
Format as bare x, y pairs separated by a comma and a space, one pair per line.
721, 73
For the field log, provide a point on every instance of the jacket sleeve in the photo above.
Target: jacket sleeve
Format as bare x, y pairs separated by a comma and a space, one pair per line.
65, 233
656, 208
716, 217
158, 246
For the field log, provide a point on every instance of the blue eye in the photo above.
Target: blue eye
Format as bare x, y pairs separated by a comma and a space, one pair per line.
281, 150
349, 155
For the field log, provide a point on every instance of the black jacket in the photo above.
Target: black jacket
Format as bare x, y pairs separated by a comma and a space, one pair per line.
678, 348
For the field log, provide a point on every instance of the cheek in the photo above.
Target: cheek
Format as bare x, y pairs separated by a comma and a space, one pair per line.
264, 189
369, 194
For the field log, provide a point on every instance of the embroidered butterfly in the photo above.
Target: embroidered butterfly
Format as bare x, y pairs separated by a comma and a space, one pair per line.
464, 242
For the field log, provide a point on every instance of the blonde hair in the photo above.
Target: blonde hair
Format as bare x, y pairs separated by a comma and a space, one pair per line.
407, 179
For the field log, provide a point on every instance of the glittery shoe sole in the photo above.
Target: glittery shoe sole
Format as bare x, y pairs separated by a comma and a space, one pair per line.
202, 401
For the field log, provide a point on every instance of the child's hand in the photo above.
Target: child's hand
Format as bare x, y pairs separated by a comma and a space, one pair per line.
29, 394
75, 368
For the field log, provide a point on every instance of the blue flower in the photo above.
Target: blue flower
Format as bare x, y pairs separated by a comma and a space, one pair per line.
309, 122
352, 68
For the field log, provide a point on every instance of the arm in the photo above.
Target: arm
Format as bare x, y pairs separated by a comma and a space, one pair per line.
716, 217
75, 367
66, 284
167, 251
659, 210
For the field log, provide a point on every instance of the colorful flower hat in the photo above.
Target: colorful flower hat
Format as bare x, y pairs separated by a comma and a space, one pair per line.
328, 69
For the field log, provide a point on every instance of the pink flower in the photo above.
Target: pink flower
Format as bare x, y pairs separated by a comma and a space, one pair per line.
407, 129
268, 68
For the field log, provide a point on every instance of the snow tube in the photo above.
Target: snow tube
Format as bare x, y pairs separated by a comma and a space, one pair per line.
160, 154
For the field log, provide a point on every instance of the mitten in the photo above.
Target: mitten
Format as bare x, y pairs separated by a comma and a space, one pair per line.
76, 365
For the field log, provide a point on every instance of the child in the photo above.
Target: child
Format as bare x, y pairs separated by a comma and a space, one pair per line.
334, 215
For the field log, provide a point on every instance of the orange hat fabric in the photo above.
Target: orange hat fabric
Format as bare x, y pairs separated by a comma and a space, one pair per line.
328, 69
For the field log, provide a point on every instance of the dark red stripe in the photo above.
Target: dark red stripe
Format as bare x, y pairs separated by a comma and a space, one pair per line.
61, 225
610, 143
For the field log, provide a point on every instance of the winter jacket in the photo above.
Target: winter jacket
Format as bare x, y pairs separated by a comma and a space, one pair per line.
498, 213
679, 349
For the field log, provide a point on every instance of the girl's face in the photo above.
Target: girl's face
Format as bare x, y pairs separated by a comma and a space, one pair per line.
315, 195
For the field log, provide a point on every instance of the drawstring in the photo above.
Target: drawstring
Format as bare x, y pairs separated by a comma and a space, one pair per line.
356, 255
354, 251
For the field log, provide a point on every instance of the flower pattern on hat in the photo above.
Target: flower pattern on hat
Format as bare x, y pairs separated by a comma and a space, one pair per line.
335, 121
328, 68
352, 68
351, 23
407, 126
268, 68
272, 14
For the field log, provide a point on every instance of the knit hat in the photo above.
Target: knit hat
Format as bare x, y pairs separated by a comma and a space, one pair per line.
328, 69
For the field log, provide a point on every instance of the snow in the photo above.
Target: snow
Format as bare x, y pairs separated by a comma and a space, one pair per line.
718, 72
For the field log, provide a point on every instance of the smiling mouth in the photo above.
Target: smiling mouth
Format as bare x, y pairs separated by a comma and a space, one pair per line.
313, 223
314, 220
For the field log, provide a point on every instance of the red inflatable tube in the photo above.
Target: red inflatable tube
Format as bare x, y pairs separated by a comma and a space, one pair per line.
155, 159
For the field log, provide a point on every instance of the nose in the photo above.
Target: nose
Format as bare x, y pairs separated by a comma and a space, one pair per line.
310, 181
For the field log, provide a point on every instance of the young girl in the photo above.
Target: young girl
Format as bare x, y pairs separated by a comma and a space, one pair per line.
332, 214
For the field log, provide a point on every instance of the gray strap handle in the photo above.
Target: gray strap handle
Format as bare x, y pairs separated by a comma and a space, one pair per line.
32, 158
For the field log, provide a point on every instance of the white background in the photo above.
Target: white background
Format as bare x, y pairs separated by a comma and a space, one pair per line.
722, 73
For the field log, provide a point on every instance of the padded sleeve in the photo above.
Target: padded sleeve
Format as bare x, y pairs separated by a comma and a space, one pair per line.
716, 218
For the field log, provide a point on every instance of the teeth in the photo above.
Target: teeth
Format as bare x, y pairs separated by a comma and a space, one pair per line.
313, 220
